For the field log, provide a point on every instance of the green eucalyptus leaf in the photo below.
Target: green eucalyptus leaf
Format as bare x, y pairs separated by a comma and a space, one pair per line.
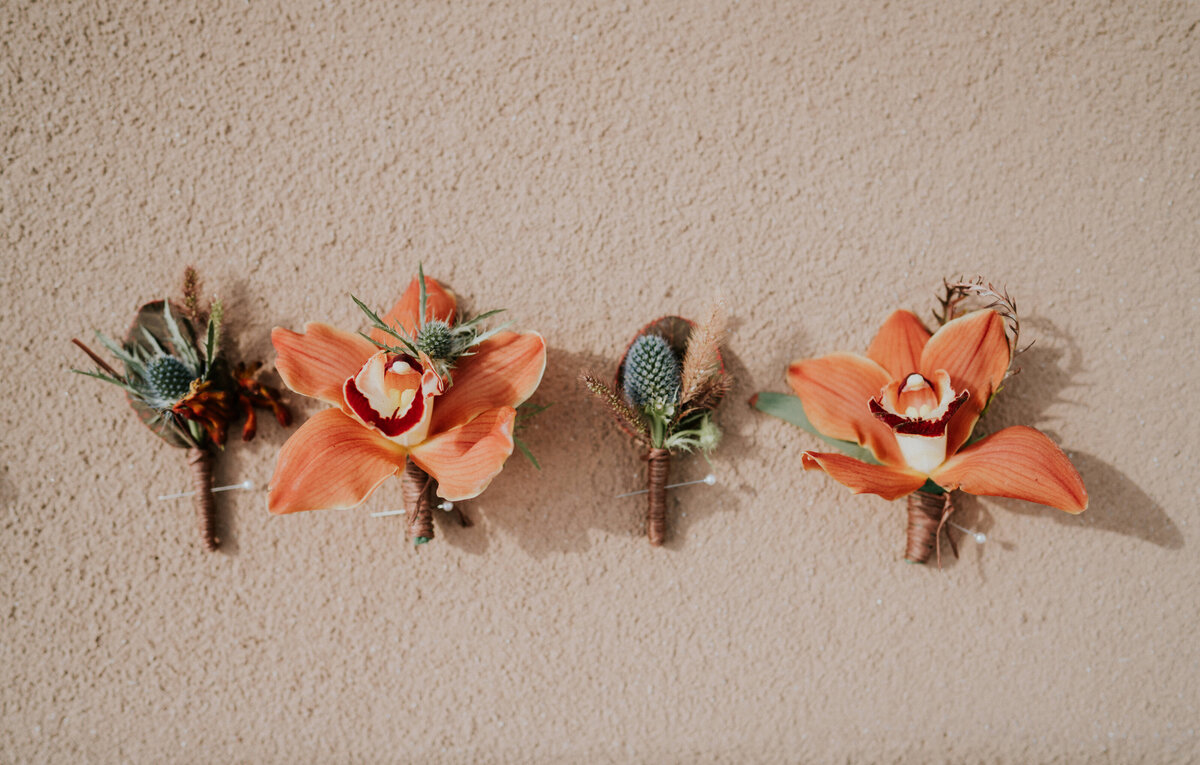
790, 409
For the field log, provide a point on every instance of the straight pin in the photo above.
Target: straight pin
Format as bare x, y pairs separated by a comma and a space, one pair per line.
709, 480
446, 506
978, 536
232, 487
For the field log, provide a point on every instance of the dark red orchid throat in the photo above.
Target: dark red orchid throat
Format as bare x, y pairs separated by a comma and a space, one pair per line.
917, 406
405, 417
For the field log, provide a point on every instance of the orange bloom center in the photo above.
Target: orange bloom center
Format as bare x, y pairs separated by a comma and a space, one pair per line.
393, 394
918, 411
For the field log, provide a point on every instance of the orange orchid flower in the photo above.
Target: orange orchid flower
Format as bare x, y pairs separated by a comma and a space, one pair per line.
913, 401
392, 407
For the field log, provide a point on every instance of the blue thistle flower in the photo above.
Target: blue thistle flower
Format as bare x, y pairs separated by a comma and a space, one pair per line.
168, 379
652, 374
437, 339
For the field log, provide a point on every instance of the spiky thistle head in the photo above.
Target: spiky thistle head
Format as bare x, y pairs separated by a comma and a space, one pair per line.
652, 374
443, 342
168, 379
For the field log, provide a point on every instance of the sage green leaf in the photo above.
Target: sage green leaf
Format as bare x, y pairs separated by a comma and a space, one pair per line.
790, 409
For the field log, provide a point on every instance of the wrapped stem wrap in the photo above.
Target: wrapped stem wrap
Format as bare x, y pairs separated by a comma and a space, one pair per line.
927, 513
201, 463
414, 486
658, 466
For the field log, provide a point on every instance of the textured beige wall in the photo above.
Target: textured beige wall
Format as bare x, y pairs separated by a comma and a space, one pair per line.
589, 166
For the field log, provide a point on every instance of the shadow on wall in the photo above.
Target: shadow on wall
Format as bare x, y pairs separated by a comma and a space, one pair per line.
586, 462
1116, 502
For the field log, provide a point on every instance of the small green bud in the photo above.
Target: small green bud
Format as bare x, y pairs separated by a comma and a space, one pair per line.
708, 435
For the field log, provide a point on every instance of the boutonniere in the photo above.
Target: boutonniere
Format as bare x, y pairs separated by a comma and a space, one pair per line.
669, 383
904, 416
423, 394
176, 377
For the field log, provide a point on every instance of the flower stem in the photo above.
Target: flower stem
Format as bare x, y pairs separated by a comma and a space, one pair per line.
201, 463
657, 469
927, 513
415, 486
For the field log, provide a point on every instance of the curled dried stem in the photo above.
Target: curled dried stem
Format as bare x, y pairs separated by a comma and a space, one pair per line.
962, 295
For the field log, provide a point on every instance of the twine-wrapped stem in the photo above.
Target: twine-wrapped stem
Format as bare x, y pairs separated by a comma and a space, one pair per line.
927, 513
415, 486
658, 466
201, 463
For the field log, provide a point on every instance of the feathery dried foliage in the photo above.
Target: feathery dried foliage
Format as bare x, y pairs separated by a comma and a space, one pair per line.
960, 297
620, 410
702, 376
711, 392
443, 341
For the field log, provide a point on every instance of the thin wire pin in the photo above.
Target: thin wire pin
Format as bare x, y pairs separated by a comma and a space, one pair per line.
446, 506
247, 484
709, 480
978, 536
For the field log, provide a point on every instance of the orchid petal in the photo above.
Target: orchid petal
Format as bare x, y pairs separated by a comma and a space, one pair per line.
465, 459
897, 346
318, 362
836, 391
331, 462
1018, 462
440, 304
503, 370
975, 351
863, 478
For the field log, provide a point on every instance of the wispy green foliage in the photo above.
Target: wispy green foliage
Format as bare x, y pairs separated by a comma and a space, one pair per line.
406, 343
439, 339
526, 412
